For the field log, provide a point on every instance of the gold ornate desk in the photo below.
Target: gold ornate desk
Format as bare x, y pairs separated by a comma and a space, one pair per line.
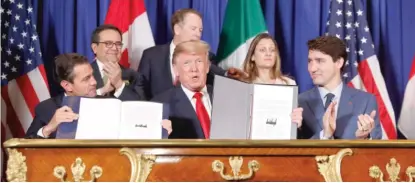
213, 160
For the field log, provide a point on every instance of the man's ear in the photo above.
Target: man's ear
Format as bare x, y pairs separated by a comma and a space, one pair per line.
66, 85
340, 62
176, 29
94, 47
175, 69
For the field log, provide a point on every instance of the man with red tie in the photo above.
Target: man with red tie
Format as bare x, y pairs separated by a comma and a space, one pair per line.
190, 101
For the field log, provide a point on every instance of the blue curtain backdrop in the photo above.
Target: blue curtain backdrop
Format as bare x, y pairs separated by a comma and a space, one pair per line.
66, 25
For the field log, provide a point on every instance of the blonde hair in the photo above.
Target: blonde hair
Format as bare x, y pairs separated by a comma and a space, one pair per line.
195, 47
251, 68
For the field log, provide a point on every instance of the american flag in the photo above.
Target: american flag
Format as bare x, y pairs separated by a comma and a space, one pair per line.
347, 21
23, 78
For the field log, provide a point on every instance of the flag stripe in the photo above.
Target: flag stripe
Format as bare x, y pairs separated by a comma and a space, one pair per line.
29, 97
44, 76
365, 72
124, 17
412, 72
124, 59
131, 18
347, 21
11, 118
19, 105
356, 82
41, 89
140, 37
406, 120
243, 20
236, 58
7, 133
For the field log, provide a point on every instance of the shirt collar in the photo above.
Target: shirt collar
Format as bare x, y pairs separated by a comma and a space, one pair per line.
172, 47
337, 91
190, 94
100, 65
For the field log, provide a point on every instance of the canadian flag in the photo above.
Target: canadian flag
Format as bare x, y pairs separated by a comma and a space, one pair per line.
131, 18
406, 121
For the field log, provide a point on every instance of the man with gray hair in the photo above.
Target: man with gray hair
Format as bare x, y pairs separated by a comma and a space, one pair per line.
190, 101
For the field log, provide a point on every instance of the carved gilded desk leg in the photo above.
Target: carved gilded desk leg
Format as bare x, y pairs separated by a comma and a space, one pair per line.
16, 166
330, 166
141, 164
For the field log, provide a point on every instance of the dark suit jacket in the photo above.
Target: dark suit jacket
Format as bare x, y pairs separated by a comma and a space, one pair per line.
352, 103
132, 91
44, 112
155, 66
184, 120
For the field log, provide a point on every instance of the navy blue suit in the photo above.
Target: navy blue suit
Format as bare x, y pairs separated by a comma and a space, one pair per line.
44, 112
183, 116
352, 103
155, 66
134, 90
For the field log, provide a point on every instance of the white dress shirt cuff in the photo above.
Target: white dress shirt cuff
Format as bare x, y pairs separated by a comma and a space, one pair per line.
119, 90
99, 92
40, 132
322, 137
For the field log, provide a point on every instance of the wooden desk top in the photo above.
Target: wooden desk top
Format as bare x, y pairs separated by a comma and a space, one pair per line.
14, 143
210, 160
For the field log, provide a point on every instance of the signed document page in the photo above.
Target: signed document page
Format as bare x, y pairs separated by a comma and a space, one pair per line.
141, 120
98, 119
271, 109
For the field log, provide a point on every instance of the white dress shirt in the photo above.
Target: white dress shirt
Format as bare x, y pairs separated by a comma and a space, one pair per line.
205, 99
337, 94
172, 47
118, 91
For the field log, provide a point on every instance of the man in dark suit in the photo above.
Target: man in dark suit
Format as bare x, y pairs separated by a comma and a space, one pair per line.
156, 62
75, 75
112, 79
332, 110
190, 101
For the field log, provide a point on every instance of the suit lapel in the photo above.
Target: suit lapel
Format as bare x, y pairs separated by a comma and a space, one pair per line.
184, 108
58, 100
210, 91
97, 74
316, 106
125, 74
344, 111
167, 64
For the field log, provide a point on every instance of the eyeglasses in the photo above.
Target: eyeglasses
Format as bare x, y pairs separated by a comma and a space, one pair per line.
110, 44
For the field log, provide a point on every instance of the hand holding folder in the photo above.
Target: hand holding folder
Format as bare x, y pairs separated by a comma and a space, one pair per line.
109, 118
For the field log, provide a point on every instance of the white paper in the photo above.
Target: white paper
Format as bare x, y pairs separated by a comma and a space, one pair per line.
98, 119
271, 110
141, 120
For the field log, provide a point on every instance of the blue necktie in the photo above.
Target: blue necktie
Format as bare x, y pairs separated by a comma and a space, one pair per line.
329, 99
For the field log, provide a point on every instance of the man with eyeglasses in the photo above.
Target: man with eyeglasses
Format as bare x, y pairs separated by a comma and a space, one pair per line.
112, 79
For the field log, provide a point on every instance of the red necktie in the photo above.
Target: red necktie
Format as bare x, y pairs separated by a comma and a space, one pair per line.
202, 114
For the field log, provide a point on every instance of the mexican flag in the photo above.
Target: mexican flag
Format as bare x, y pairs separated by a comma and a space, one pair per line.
243, 21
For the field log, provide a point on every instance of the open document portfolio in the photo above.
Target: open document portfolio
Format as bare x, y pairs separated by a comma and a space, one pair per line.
110, 118
252, 111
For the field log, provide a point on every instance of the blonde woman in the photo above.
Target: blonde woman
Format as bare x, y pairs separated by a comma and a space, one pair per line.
263, 65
